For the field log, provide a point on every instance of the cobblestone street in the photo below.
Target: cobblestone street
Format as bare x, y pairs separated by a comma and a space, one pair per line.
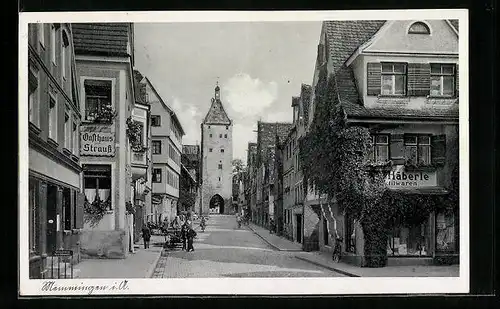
223, 250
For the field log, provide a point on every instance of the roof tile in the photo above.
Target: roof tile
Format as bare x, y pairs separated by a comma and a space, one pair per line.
101, 38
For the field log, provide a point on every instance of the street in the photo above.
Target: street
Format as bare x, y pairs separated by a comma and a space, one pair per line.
223, 250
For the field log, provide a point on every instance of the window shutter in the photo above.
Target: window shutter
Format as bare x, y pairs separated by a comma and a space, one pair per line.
374, 71
79, 210
438, 149
397, 149
419, 79
456, 81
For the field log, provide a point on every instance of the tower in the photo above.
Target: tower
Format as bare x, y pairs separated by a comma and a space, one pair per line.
217, 156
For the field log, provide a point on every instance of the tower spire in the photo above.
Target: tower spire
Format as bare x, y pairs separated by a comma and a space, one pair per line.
217, 90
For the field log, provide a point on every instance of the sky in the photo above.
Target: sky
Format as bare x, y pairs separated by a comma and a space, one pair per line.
259, 67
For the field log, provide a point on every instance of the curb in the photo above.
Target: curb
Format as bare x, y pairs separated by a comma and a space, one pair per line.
271, 244
152, 268
327, 267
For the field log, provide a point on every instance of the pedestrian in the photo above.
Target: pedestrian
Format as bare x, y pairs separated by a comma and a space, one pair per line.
146, 236
184, 235
164, 228
191, 234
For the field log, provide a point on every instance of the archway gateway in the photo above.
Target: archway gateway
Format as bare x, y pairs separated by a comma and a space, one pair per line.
216, 204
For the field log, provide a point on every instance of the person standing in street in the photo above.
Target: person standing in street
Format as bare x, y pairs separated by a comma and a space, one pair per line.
184, 235
146, 236
191, 234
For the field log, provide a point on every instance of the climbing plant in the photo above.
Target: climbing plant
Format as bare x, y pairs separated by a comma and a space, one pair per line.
95, 211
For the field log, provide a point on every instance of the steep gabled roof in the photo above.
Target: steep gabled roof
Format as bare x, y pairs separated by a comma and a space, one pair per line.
103, 39
267, 132
217, 114
343, 39
454, 23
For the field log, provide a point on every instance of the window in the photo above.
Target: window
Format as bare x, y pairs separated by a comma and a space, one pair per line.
156, 147
97, 183
64, 53
409, 238
33, 95
446, 238
219, 178
442, 80
393, 79
380, 151
220, 166
53, 44
418, 149
222, 150
41, 34
75, 138
210, 135
419, 28
52, 117
97, 99
157, 175
227, 127
225, 135
67, 128
210, 149
155, 120
350, 233
220, 135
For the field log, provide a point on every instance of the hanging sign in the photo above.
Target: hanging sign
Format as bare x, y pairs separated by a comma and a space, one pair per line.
398, 178
97, 143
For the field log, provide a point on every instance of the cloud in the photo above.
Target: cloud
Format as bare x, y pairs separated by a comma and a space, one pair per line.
248, 96
242, 135
190, 119
282, 116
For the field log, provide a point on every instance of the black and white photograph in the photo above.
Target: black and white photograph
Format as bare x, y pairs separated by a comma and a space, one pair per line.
234, 153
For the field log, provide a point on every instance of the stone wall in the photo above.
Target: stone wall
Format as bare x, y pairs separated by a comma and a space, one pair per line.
104, 244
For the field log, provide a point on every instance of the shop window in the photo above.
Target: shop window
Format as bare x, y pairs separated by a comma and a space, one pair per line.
97, 183
52, 117
34, 223
350, 233
155, 120
393, 79
33, 95
442, 80
445, 232
157, 175
409, 239
67, 128
97, 100
156, 147
380, 149
67, 209
418, 149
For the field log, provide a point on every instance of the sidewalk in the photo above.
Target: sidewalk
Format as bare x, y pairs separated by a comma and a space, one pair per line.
277, 242
140, 264
324, 259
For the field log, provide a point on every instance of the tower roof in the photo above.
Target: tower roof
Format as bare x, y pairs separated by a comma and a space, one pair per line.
217, 114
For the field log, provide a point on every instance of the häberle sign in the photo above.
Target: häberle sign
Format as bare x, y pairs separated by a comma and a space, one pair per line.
398, 178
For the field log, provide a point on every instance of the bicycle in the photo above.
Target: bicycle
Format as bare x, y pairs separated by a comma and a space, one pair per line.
337, 251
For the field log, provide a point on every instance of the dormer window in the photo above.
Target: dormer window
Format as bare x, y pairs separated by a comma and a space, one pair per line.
419, 28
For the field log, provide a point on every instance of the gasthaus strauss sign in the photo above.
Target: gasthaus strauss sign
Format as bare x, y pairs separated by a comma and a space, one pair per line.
398, 178
97, 144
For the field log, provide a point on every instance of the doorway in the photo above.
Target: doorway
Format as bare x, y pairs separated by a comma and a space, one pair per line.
299, 228
51, 218
216, 204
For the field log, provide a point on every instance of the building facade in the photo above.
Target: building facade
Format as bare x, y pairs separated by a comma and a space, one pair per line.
104, 61
400, 80
55, 199
192, 161
250, 183
217, 156
166, 147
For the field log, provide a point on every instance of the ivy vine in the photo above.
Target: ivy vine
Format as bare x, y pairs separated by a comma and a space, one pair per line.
95, 211
134, 133
105, 114
130, 208
357, 183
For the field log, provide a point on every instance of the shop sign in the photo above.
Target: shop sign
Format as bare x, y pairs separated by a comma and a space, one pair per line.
398, 178
97, 143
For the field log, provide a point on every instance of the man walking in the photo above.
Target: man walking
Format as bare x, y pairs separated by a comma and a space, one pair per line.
184, 235
191, 234
146, 236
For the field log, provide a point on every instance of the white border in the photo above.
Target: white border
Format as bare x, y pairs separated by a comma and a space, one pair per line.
246, 286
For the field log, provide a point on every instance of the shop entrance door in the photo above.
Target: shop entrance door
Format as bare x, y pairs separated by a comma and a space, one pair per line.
299, 228
51, 218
